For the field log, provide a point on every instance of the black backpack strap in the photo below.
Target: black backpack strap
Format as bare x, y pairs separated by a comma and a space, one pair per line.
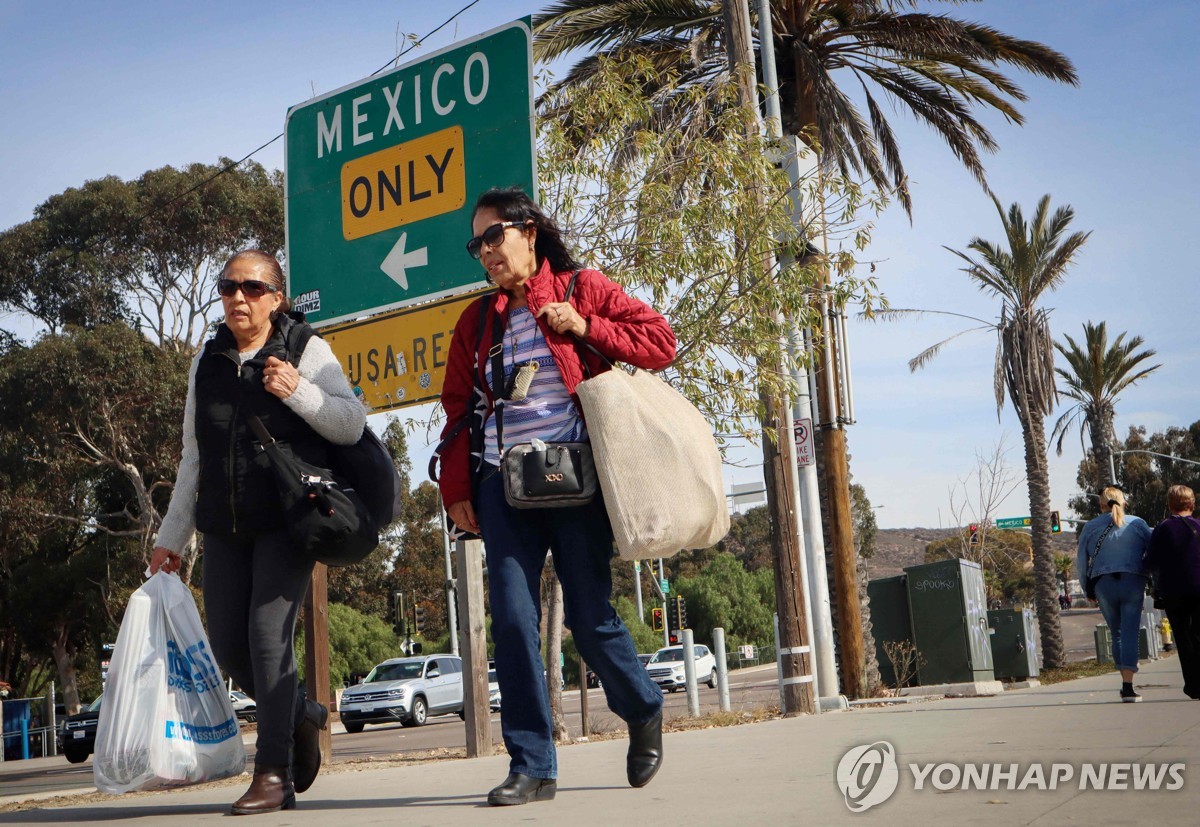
296, 339
486, 303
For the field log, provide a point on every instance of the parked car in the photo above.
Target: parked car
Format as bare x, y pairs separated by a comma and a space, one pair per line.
666, 667
243, 706
405, 690
593, 680
77, 735
493, 691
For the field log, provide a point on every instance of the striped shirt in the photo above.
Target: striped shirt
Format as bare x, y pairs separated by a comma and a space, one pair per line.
547, 412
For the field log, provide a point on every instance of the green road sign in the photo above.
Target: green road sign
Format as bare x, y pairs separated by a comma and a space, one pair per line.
381, 175
665, 586
1013, 522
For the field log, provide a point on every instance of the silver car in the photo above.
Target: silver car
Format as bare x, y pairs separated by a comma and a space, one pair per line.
405, 691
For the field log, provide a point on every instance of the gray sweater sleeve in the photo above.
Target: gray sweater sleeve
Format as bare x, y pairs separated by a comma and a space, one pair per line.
323, 398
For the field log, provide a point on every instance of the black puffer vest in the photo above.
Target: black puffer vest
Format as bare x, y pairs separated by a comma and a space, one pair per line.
237, 490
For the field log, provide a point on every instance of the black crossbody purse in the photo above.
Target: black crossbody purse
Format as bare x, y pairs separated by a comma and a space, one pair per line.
539, 474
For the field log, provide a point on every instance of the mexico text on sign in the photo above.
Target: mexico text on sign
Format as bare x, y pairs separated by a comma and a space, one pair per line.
382, 174
1014, 522
399, 359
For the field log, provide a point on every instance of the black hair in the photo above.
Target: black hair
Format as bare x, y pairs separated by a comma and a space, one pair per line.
514, 204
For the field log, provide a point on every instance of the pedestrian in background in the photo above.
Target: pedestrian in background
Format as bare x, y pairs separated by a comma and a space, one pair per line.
532, 330
1112, 549
254, 579
1174, 560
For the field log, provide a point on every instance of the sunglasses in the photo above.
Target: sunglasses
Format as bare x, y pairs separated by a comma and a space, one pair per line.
492, 237
251, 288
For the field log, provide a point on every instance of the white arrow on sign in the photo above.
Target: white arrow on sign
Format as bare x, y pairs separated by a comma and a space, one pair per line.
398, 261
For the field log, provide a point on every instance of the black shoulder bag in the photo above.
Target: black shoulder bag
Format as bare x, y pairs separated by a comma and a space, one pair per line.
334, 515
538, 474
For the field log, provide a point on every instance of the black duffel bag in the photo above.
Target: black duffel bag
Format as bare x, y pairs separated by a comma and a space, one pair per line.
325, 516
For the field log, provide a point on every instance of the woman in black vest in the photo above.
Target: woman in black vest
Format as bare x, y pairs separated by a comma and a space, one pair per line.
254, 581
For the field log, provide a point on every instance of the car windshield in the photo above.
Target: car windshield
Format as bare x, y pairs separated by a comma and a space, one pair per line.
667, 656
240, 696
94, 706
395, 671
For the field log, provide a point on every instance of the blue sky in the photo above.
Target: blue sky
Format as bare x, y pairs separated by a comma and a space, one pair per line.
96, 89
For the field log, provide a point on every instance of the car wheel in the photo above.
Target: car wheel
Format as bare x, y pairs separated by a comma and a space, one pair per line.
712, 679
76, 756
353, 727
419, 713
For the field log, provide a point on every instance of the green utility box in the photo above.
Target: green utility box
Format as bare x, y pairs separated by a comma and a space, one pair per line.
1014, 643
890, 626
1104, 643
947, 607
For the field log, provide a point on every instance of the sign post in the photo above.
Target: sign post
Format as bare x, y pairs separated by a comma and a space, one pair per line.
804, 442
381, 175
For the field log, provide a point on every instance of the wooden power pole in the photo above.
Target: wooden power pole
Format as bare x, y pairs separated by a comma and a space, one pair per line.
795, 655
316, 649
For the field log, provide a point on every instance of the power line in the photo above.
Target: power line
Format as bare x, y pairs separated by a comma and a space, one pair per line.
234, 165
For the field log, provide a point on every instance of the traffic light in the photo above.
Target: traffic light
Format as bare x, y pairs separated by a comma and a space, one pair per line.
398, 611
680, 613
974, 529
419, 618
399, 629
1055, 523
656, 619
673, 639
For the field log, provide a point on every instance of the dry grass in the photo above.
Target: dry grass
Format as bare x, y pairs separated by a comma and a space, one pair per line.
1082, 669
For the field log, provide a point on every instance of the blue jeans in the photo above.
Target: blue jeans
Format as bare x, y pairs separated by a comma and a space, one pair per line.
580, 539
1121, 600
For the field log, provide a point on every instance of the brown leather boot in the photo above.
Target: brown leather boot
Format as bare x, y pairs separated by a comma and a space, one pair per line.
270, 791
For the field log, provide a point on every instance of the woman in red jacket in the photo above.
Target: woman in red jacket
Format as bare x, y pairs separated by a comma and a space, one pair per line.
523, 253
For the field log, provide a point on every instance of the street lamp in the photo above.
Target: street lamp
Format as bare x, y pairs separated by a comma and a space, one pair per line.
1112, 468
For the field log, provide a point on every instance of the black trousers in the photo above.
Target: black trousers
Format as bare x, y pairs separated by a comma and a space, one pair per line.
1183, 613
253, 587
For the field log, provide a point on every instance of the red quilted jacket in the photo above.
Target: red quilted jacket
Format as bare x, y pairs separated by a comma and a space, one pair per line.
619, 326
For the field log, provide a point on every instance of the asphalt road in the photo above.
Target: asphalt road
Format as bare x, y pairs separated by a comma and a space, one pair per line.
748, 689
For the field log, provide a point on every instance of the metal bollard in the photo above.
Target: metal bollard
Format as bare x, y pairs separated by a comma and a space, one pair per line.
722, 670
689, 674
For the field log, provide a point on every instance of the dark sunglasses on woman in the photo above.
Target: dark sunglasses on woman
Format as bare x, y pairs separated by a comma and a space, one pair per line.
492, 237
251, 288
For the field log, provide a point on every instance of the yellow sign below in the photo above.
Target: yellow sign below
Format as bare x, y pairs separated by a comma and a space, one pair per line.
404, 183
399, 359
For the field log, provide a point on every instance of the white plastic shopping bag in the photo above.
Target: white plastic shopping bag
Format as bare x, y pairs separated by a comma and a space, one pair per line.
166, 720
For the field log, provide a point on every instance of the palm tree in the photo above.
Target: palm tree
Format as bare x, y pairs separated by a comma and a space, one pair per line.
936, 67
1035, 262
1099, 372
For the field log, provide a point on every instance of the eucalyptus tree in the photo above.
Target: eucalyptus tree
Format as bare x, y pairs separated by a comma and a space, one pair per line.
1099, 373
1032, 261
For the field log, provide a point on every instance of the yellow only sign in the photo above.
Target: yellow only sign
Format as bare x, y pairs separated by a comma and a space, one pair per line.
404, 183
399, 359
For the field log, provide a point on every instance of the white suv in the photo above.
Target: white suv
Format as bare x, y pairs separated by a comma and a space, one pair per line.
666, 667
405, 690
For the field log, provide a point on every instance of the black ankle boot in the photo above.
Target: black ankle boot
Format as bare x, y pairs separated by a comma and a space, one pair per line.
521, 789
270, 791
645, 751
306, 747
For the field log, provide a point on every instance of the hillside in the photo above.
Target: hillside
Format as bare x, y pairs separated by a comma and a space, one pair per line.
897, 548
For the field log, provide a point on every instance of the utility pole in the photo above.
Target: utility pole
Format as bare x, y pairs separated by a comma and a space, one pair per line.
779, 463
818, 616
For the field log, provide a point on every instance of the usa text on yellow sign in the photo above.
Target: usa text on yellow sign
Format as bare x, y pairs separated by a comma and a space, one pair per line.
399, 359
403, 183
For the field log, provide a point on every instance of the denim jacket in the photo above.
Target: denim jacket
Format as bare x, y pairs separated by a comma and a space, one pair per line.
1123, 550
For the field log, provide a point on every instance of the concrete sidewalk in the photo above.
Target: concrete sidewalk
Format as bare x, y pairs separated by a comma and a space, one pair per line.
786, 771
